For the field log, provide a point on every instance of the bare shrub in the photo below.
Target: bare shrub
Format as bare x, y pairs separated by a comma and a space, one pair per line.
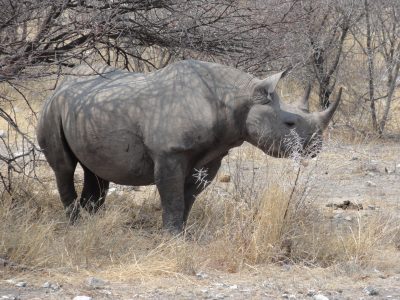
285, 224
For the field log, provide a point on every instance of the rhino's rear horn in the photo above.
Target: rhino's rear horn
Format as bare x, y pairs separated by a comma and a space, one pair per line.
326, 115
304, 103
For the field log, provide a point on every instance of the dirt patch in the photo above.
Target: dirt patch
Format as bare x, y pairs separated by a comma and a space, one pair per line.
271, 282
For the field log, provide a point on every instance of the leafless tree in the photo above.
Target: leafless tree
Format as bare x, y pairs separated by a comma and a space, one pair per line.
320, 42
42, 33
41, 38
379, 39
389, 38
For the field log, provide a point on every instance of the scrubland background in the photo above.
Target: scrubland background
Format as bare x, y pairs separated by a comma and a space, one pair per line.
270, 226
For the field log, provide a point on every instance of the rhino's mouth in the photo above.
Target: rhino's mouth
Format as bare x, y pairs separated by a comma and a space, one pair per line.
293, 145
313, 145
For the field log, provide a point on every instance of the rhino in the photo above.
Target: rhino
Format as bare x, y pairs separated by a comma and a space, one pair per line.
162, 127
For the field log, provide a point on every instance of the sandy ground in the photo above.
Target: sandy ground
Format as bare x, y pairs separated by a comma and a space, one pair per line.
271, 282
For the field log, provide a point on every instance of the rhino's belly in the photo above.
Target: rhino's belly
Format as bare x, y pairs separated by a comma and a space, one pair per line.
122, 171
119, 157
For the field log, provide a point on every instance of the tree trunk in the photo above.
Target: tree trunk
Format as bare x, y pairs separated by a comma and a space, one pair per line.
324, 94
391, 86
370, 68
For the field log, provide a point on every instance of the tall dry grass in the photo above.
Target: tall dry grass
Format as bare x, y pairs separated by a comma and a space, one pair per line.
264, 217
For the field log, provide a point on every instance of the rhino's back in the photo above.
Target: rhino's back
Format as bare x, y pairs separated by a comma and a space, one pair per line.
167, 106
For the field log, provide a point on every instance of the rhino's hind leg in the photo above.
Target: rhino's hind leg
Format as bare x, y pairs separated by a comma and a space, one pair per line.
66, 189
63, 162
94, 191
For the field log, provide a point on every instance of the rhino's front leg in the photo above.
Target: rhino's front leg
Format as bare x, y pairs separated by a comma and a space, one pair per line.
169, 174
198, 181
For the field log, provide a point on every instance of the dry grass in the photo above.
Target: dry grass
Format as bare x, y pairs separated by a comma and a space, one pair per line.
246, 223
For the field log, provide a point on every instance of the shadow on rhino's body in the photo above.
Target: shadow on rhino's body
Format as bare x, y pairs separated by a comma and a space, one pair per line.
158, 128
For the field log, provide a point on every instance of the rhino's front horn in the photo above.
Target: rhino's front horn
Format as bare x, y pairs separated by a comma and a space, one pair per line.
303, 103
326, 115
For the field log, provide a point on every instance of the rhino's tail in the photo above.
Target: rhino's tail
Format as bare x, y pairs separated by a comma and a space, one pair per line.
52, 141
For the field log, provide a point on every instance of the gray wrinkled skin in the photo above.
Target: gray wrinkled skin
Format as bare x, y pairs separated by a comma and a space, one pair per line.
137, 129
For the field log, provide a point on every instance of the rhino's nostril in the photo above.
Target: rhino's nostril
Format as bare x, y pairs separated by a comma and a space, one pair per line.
290, 124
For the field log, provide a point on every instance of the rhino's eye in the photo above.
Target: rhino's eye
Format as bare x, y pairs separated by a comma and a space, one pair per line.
267, 101
262, 97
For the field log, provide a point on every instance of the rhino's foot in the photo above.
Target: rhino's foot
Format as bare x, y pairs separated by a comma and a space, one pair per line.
92, 207
173, 228
176, 235
168, 235
72, 212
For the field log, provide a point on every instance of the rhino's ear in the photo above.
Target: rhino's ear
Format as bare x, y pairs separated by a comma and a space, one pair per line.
271, 82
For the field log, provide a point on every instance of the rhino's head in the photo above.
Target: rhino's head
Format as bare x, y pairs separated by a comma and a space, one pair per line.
280, 129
